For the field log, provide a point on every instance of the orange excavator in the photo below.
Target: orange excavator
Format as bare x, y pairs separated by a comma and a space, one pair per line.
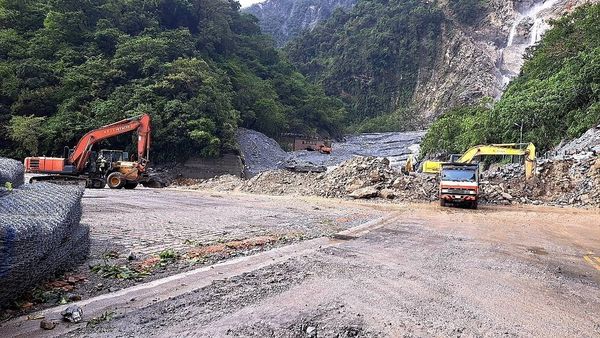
82, 165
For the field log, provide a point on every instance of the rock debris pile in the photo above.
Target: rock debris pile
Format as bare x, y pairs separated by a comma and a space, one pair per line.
568, 176
260, 152
572, 181
558, 181
359, 178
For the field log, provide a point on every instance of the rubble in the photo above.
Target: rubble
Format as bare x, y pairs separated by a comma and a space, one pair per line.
359, 177
368, 192
568, 176
303, 166
260, 152
72, 314
47, 324
570, 180
558, 182
589, 142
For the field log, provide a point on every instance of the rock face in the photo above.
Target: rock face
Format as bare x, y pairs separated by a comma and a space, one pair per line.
479, 61
285, 19
473, 61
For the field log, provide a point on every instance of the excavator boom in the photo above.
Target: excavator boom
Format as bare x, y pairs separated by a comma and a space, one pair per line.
141, 123
492, 150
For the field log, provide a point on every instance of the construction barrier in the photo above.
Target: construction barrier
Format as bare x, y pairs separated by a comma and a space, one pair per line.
40, 235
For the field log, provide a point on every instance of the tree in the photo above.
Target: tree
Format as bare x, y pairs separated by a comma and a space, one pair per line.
27, 130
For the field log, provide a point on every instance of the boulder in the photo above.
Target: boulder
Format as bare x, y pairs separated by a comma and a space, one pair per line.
387, 194
364, 193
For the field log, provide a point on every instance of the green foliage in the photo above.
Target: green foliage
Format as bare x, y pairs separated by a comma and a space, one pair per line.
25, 130
117, 271
200, 68
457, 130
168, 255
556, 97
400, 120
286, 19
371, 56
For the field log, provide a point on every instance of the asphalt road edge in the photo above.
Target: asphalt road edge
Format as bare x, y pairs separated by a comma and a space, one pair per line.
143, 295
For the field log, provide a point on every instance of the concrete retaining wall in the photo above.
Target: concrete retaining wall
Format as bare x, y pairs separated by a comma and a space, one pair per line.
202, 168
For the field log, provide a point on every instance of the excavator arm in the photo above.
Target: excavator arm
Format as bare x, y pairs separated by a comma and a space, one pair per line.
491, 150
141, 123
503, 149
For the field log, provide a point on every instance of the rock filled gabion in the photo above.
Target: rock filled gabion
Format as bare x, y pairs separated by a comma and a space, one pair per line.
11, 171
40, 235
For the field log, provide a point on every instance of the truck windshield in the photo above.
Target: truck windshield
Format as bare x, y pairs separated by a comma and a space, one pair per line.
459, 175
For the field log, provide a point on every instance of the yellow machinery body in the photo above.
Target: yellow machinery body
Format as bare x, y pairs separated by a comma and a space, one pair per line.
434, 167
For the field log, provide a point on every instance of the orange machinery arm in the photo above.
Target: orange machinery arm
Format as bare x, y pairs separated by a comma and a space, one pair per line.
141, 123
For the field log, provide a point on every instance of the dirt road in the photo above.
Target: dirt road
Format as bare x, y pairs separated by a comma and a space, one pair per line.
496, 271
419, 271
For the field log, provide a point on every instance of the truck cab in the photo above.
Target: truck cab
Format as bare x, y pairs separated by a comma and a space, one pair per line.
459, 184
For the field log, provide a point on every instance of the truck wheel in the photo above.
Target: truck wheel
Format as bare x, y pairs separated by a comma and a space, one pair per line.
474, 205
442, 202
130, 185
115, 180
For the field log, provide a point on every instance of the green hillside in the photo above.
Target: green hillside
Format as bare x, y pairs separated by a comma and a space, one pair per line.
371, 56
199, 67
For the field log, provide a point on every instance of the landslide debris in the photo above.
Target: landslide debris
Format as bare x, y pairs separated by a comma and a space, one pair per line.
566, 181
359, 177
260, 152
570, 175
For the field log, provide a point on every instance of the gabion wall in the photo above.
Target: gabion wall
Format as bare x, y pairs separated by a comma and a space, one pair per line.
40, 234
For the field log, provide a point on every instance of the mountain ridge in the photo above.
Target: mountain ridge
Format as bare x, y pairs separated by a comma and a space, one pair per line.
286, 19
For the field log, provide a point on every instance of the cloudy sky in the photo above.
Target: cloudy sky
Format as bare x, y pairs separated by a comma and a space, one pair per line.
246, 3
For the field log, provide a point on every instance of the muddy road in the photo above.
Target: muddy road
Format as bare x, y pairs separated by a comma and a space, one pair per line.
397, 270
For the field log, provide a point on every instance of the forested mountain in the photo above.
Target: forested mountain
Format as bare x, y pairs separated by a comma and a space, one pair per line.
556, 96
371, 56
199, 67
401, 64
285, 19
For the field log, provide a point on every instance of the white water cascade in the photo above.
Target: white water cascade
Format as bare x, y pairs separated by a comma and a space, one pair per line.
511, 58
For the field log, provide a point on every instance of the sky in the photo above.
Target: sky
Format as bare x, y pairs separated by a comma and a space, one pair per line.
246, 3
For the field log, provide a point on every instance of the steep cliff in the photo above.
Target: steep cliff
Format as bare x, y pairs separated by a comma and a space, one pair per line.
554, 97
285, 19
479, 61
388, 59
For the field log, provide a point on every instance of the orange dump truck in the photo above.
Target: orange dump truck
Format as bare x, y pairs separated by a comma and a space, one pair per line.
459, 184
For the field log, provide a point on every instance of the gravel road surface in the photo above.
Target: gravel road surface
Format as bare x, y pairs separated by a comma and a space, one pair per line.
428, 271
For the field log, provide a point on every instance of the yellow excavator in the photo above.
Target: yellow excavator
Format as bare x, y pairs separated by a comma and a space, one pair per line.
518, 149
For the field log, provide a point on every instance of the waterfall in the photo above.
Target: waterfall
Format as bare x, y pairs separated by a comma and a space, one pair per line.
513, 31
511, 56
